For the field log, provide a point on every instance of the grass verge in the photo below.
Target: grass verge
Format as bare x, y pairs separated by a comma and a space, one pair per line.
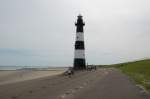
139, 71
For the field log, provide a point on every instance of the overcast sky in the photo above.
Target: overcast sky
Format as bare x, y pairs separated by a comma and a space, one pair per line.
42, 32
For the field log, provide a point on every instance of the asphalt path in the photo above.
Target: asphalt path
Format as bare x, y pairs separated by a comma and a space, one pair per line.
114, 85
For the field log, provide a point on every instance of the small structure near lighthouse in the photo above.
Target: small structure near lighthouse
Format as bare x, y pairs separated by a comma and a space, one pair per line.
79, 54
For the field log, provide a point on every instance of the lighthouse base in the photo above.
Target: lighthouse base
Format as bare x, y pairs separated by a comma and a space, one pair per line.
79, 64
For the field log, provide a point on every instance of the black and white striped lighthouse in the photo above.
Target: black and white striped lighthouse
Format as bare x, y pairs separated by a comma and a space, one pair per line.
79, 54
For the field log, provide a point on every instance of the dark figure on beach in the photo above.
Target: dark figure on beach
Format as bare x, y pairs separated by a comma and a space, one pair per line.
70, 72
95, 67
91, 67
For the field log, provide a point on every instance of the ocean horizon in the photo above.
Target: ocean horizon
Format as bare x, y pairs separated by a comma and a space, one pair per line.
31, 67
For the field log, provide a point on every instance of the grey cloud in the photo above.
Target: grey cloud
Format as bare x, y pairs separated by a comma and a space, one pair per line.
46, 29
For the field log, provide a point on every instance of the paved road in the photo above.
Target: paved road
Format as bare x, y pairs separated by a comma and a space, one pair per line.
114, 85
100, 84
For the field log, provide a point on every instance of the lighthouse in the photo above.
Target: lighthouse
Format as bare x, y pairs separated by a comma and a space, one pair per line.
79, 53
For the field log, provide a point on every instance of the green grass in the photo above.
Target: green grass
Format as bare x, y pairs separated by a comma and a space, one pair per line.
138, 70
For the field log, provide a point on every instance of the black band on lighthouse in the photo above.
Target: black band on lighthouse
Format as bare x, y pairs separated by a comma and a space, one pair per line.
79, 63
79, 45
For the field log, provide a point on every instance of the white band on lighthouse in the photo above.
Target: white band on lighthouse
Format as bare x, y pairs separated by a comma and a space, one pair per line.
79, 54
80, 36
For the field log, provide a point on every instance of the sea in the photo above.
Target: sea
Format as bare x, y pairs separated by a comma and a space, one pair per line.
31, 68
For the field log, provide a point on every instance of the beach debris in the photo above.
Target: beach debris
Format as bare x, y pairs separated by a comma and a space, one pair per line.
14, 97
76, 88
72, 90
84, 84
30, 91
62, 96
81, 87
43, 86
68, 92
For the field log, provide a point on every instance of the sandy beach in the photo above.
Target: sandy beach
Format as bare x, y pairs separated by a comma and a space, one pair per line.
13, 76
100, 84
